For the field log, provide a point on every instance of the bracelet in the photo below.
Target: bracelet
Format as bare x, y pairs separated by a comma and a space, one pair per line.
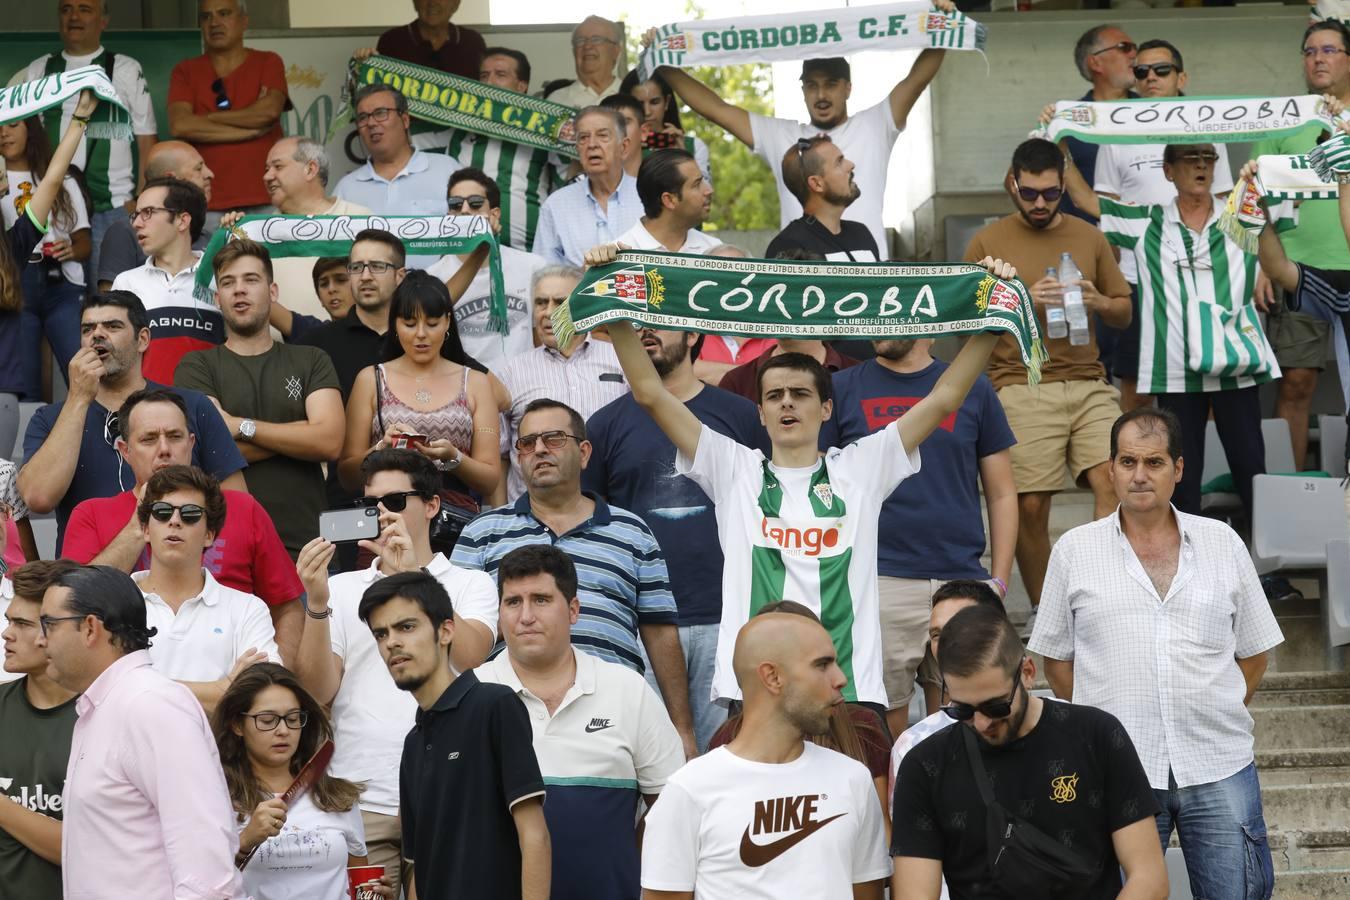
304, 603
1002, 585
83, 120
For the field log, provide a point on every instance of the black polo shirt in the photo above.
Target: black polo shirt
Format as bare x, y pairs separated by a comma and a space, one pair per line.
468, 760
351, 345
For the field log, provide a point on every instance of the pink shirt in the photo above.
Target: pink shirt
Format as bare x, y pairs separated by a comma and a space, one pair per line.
147, 813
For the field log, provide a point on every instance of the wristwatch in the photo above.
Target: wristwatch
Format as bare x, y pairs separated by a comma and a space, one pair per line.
247, 429
451, 465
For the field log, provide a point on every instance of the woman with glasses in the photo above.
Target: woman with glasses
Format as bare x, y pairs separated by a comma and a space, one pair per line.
661, 127
267, 727
428, 395
42, 278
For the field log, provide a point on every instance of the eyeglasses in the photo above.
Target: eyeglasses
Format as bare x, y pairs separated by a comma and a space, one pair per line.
376, 267
395, 502
1126, 47
1327, 50
473, 201
1162, 70
188, 513
378, 116
594, 40
46, 622
990, 709
1029, 195
553, 440
269, 721
218, 87
1201, 159
145, 212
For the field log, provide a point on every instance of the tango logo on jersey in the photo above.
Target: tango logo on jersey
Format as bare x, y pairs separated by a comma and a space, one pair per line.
809, 541
1064, 789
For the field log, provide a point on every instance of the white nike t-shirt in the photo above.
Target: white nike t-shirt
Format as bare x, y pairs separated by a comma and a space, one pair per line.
727, 828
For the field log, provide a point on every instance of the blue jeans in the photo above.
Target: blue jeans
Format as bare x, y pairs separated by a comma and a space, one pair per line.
699, 643
50, 309
1223, 836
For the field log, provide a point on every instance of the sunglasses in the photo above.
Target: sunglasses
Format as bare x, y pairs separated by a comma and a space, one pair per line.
1029, 195
475, 202
1162, 70
553, 440
218, 87
990, 709
188, 513
1204, 159
1126, 47
396, 502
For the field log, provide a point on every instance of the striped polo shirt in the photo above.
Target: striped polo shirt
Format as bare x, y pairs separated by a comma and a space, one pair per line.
1198, 328
608, 742
622, 580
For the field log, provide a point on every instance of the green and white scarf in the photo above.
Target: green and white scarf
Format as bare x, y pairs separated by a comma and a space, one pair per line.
305, 236
32, 98
1280, 183
450, 101
810, 34
789, 298
1185, 120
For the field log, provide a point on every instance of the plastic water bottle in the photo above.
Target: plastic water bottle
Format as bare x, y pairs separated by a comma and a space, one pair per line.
1055, 324
1074, 310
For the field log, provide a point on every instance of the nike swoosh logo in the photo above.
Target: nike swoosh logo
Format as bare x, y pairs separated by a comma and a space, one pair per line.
756, 855
592, 729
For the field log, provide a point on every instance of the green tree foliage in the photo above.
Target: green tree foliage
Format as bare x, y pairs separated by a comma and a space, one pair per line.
744, 195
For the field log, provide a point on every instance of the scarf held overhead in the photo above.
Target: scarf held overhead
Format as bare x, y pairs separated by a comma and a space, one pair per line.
810, 34
1282, 181
306, 236
1185, 120
454, 102
33, 97
789, 299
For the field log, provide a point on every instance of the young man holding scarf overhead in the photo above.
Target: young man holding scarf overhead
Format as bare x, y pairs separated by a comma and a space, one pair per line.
796, 526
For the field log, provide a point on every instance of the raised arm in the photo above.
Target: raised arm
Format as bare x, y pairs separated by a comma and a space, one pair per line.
908, 90
47, 473
40, 205
458, 283
316, 665
670, 415
705, 101
1080, 192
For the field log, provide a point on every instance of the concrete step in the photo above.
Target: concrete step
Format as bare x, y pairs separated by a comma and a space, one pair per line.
1332, 697
1310, 850
1304, 681
1316, 766
1306, 885
1305, 645
1297, 727
1306, 807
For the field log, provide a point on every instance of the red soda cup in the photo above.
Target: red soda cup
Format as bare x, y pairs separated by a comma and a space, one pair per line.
358, 879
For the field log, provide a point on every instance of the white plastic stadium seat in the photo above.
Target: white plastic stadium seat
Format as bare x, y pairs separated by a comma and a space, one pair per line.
1331, 445
1279, 458
1293, 517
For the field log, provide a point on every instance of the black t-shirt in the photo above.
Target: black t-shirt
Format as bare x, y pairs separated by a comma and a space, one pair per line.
853, 243
1076, 777
469, 759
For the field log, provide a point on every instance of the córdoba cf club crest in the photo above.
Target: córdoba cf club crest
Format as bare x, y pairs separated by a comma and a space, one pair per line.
635, 285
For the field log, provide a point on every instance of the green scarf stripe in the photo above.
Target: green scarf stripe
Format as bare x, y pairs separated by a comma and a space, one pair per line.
836, 614
1223, 295
449, 101
1161, 329
1194, 381
310, 236
786, 298
110, 121
1185, 120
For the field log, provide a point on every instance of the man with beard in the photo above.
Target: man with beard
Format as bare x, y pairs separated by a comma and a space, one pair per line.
471, 804
725, 820
1067, 771
1066, 419
821, 178
70, 448
632, 465
280, 401
931, 531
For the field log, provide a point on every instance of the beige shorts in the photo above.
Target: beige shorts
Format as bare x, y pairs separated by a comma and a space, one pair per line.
905, 655
1058, 424
1300, 341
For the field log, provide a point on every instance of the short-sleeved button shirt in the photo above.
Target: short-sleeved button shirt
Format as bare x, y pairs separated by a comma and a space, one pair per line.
468, 761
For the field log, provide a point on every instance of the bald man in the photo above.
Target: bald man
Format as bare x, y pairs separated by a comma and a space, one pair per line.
167, 159
771, 814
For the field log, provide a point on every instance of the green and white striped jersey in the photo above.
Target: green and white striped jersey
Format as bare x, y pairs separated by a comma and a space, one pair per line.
523, 174
1199, 330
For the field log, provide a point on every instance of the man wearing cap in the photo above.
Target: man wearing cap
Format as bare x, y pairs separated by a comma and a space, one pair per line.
866, 138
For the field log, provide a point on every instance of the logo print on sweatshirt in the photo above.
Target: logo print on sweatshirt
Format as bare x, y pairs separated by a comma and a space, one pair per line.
794, 815
1064, 789
598, 725
293, 387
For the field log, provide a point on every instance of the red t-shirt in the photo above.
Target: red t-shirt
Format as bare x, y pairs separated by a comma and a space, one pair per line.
248, 554
238, 167
715, 349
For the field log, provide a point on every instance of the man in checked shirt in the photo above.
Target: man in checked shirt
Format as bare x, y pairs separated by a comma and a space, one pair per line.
1159, 618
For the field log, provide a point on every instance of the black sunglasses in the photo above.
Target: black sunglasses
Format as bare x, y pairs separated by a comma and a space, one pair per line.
189, 513
990, 709
474, 202
222, 101
1162, 70
395, 502
1051, 194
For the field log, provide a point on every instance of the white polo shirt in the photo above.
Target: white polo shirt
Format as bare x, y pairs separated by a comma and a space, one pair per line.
695, 242
371, 715
208, 633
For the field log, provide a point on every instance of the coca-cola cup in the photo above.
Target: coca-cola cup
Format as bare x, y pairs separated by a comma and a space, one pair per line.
359, 878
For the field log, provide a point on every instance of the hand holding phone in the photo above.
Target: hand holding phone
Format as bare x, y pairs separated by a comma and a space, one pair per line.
408, 441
